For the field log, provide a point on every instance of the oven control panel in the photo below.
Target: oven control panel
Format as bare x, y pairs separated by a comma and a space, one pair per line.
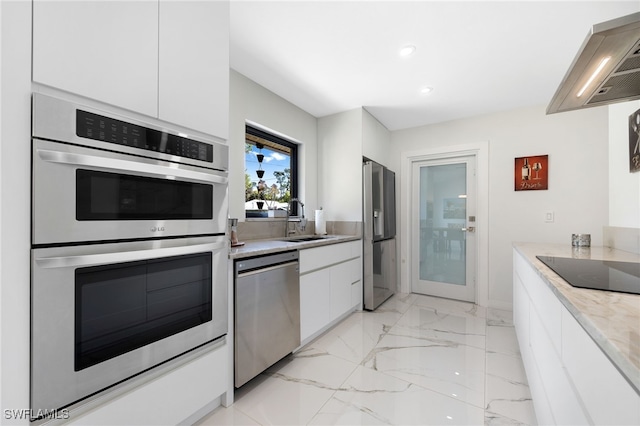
106, 129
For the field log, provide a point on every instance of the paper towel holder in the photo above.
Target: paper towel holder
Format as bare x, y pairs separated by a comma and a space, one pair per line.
320, 224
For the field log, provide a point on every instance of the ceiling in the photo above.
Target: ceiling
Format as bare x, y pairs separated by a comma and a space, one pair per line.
478, 56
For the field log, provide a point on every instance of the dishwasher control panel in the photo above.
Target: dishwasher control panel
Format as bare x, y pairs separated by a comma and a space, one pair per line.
245, 265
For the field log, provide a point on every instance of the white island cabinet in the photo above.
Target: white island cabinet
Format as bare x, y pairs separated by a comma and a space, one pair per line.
164, 59
572, 380
330, 286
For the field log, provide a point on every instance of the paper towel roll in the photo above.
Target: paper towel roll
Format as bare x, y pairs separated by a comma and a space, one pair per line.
321, 225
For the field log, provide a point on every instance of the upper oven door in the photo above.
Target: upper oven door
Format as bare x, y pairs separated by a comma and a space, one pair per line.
83, 194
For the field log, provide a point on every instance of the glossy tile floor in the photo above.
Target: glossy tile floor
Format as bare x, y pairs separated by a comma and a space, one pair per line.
415, 360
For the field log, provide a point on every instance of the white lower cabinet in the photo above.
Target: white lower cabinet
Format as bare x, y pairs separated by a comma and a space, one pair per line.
607, 395
170, 399
330, 278
315, 302
570, 378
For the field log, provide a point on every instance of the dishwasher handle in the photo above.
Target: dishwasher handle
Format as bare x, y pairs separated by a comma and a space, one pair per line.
266, 269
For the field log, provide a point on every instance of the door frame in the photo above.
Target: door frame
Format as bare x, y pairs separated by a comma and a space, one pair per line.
481, 151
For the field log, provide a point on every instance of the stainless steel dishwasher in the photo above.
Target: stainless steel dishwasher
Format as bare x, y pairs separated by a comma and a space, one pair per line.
267, 312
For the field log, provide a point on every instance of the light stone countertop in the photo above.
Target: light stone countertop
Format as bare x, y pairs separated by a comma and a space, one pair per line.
611, 319
275, 245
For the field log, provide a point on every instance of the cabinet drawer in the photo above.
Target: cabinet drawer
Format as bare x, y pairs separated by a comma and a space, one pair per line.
321, 257
543, 301
609, 398
155, 402
356, 295
565, 405
521, 313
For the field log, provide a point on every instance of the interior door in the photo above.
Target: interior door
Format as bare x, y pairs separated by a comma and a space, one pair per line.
443, 226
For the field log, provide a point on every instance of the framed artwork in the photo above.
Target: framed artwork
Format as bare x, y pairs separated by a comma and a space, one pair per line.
531, 173
634, 142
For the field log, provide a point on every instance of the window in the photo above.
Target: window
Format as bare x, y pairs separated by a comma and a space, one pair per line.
271, 170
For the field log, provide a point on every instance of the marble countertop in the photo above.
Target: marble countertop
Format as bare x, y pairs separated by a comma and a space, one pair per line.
260, 247
611, 319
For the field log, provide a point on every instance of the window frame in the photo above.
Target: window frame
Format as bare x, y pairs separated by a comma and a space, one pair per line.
252, 130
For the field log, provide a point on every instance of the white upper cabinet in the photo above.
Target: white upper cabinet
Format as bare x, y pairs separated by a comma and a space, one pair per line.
104, 50
194, 65
165, 59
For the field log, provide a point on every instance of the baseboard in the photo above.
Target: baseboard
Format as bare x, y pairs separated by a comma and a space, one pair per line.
501, 304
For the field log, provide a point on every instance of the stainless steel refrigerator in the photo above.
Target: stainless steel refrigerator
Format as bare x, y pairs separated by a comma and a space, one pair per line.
379, 230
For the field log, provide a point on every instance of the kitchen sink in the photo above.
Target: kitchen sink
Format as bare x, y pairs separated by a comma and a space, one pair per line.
303, 239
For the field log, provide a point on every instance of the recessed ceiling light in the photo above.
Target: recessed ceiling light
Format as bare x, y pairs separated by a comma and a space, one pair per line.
407, 50
426, 90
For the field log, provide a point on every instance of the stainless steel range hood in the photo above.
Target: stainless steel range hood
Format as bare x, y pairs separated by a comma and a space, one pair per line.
606, 69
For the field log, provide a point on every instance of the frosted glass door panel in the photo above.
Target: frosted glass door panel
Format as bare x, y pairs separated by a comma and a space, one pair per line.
442, 207
443, 210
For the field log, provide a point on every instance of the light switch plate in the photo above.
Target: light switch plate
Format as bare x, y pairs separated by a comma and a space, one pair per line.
549, 216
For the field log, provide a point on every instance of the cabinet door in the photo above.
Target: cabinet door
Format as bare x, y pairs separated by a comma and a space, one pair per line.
315, 302
104, 50
194, 65
343, 275
341, 280
606, 394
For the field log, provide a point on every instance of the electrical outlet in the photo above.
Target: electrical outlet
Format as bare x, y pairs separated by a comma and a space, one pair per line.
549, 216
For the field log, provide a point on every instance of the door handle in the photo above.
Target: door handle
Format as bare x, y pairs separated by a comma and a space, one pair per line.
469, 229
168, 172
126, 256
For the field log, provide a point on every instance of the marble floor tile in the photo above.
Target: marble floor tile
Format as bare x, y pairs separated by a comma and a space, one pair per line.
325, 371
370, 397
454, 370
273, 400
505, 365
451, 306
507, 392
499, 317
415, 360
502, 339
351, 340
399, 303
222, 416
420, 321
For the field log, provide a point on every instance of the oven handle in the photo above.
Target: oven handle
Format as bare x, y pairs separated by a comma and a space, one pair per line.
127, 256
128, 166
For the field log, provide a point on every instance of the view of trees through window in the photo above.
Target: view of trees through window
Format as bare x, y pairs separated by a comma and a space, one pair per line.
269, 172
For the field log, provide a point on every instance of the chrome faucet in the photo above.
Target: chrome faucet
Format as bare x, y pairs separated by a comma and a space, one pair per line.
302, 221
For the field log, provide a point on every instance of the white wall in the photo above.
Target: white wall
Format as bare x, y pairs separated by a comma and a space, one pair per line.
340, 165
252, 102
15, 170
375, 139
343, 139
624, 186
576, 143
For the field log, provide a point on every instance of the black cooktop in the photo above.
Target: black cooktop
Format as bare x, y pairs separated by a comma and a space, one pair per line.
608, 275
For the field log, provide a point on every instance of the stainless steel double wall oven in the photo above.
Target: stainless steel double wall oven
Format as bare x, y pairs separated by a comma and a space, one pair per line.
128, 248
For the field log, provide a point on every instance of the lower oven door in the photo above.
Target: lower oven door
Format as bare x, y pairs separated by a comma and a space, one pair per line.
103, 313
84, 194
